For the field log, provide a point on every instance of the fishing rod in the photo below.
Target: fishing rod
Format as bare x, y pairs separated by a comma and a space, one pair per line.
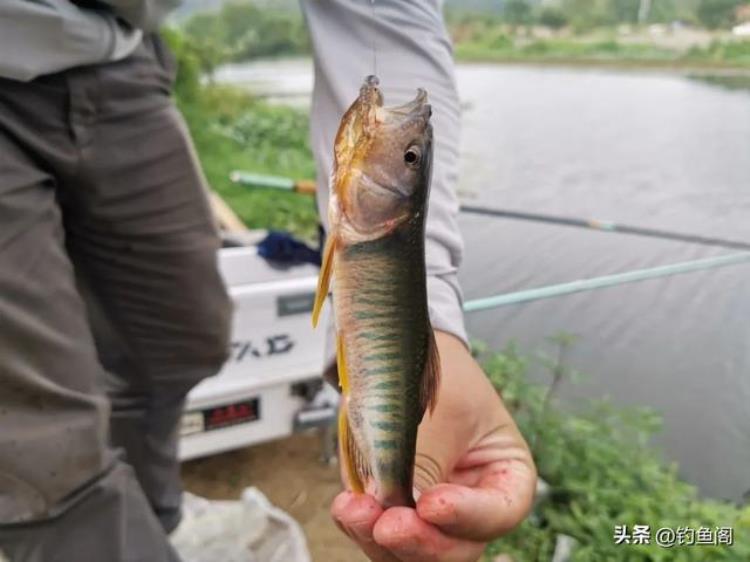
606, 226
307, 187
561, 289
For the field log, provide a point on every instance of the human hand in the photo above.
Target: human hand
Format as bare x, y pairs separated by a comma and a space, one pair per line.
474, 476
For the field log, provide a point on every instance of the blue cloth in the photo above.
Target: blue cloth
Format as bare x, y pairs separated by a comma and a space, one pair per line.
283, 247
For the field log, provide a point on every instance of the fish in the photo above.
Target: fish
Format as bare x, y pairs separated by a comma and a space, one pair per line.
374, 256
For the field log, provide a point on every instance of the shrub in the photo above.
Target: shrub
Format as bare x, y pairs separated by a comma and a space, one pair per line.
553, 17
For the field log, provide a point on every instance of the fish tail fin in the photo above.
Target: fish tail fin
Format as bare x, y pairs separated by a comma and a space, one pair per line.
324, 279
431, 376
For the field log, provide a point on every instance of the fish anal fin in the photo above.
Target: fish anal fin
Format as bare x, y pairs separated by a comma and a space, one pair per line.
355, 465
324, 278
431, 376
356, 469
341, 364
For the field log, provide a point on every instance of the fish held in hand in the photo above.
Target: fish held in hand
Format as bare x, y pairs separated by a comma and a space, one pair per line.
387, 360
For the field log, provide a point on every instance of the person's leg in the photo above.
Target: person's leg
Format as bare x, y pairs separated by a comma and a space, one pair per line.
143, 240
63, 494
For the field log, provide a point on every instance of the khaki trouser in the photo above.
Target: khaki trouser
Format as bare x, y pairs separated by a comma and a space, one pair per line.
101, 196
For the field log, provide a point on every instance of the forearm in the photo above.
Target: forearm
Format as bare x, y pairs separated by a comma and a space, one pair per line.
412, 50
42, 36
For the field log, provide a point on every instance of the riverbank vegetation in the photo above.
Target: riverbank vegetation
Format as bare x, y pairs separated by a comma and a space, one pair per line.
233, 130
585, 15
667, 33
653, 46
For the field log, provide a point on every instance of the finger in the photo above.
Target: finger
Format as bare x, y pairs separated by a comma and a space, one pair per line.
355, 515
500, 501
404, 534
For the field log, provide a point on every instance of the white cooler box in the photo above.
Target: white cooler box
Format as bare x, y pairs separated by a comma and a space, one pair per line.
273, 377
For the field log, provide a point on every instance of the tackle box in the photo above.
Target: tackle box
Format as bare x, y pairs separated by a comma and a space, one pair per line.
271, 385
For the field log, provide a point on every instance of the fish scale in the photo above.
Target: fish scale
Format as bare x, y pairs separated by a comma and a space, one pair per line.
372, 307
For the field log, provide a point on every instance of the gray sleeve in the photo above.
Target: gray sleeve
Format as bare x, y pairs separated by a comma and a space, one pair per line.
412, 50
143, 14
43, 36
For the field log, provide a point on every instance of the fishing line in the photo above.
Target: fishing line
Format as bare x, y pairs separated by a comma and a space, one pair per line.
374, 35
607, 226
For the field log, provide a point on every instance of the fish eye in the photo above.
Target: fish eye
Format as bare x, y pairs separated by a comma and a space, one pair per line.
412, 156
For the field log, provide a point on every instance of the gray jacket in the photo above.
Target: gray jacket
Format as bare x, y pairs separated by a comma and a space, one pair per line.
45, 36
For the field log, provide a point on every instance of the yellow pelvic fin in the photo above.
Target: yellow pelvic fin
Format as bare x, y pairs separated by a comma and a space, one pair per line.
356, 467
341, 363
349, 452
324, 279
431, 376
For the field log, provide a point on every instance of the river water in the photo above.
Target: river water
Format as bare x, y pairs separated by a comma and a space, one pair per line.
651, 149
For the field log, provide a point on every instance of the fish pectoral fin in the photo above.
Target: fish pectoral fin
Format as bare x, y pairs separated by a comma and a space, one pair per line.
324, 279
356, 469
431, 376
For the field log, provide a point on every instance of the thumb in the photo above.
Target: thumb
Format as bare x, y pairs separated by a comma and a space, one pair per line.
496, 504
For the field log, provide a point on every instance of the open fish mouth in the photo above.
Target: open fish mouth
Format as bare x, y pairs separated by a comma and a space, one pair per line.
371, 97
417, 106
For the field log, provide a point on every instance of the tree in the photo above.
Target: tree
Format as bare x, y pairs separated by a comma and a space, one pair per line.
717, 13
517, 12
552, 17
242, 31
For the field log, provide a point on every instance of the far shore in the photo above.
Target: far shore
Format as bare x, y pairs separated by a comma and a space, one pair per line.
690, 67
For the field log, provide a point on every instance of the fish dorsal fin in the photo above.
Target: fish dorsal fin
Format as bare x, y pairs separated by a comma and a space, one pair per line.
324, 279
356, 467
431, 376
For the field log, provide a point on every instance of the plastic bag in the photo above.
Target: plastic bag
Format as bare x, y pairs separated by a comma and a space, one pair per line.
249, 530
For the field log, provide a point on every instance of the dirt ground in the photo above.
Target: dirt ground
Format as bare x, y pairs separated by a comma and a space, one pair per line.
292, 475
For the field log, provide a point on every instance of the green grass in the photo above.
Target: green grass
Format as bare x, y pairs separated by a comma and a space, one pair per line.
233, 131
560, 50
495, 45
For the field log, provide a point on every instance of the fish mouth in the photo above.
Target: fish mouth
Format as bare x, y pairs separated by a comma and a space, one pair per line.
371, 98
418, 106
